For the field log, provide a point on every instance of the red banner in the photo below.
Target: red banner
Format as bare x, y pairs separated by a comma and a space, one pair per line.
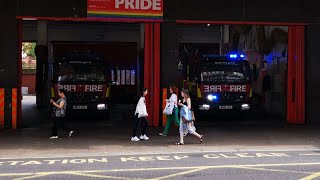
127, 9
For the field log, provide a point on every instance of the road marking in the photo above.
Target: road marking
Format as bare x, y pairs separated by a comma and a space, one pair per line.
34, 162
189, 170
314, 154
179, 174
103, 160
78, 161
13, 163
313, 176
51, 161
154, 153
244, 155
180, 157
31, 163
16, 174
102, 176
274, 170
175, 168
37, 175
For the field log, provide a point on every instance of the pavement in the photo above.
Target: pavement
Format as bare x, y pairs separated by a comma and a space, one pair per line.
106, 140
256, 148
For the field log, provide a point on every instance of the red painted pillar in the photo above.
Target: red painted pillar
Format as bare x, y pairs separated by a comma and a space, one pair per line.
296, 76
147, 67
2, 104
19, 93
156, 74
152, 71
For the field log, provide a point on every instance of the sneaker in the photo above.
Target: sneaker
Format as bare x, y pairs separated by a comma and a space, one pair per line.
70, 133
162, 134
144, 137
54, 137
135, 138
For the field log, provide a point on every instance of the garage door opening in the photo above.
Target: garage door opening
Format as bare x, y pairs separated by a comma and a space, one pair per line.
114, 83
257, 88
28, 79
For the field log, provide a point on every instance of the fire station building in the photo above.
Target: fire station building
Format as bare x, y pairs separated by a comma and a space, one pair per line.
151, 43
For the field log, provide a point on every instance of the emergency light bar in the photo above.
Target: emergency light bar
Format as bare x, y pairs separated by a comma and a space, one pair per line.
234, 56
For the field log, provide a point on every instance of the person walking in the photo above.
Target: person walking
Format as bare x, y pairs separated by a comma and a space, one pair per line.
174, 116
140, 118
186, 118
59, 114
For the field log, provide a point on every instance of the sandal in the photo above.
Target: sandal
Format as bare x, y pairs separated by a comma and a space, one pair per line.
201, 139
179, 144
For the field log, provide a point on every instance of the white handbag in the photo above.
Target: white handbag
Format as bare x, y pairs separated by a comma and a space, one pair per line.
169, 108
143, 112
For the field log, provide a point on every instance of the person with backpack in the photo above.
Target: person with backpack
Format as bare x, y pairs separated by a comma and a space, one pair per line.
140, 118
59, 114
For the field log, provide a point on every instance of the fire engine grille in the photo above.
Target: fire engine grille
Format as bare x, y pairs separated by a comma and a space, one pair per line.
231, 97
83, 97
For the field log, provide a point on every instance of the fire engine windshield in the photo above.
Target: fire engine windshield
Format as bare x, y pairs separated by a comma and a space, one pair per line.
224, 72
81, 72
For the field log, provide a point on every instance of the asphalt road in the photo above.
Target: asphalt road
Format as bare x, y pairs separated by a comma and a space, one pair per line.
206, 165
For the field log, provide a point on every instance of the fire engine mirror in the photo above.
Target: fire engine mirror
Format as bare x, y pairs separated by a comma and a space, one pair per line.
180, 66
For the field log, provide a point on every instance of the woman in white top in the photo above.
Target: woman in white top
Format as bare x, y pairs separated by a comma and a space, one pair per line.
174, 116
140, 118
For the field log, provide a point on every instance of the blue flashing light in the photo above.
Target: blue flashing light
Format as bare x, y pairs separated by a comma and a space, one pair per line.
212, 97
215, 97
233, 56
242, 55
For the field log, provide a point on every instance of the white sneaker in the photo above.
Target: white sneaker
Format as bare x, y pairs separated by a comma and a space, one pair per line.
162, 134
135, 138
54, 137
70, 133
144, 137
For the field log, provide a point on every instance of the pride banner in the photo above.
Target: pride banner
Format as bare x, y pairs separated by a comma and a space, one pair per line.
126, 9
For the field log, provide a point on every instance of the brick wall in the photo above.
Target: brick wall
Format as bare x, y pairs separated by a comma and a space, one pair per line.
29, 80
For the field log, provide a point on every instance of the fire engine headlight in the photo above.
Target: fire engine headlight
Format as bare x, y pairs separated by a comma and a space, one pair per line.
204, 107
101, 107
212, 97
245, 106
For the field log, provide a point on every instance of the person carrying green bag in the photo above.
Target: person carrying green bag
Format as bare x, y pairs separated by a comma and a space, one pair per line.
174, 116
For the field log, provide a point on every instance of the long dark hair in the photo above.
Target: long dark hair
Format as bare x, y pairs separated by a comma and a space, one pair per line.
143, 90
186, 93
174, 89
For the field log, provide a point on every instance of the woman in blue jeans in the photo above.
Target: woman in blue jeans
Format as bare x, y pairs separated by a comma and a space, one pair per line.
174, 116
